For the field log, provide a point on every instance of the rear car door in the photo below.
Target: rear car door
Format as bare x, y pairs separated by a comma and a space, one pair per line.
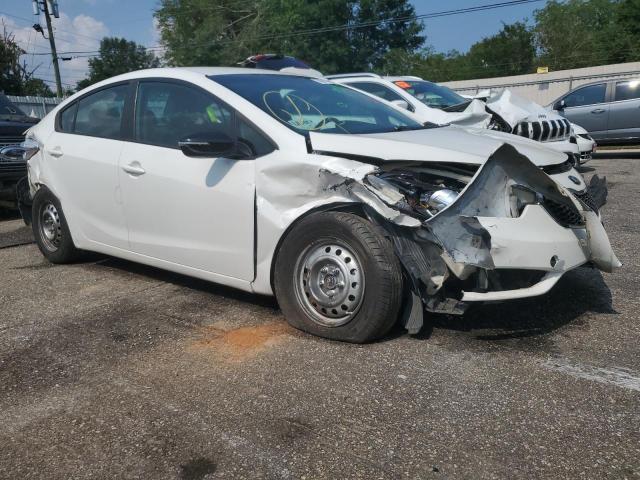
624, 114
195, 212
586, 107
83, 154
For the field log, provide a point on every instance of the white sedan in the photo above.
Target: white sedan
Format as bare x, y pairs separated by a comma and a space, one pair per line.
345, 208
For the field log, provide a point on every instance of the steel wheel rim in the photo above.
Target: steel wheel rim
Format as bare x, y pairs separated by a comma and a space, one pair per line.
329, 283
50, 227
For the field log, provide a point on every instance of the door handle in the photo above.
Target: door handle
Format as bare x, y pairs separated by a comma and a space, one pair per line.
135, 170
598, 110
55, 152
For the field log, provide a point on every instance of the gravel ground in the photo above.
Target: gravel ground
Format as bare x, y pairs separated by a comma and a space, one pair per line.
109, 369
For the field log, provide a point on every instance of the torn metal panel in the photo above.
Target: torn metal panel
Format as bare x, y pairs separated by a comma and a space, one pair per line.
489, 195
514, 109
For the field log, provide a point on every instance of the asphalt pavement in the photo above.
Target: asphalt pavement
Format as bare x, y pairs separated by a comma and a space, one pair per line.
110, 369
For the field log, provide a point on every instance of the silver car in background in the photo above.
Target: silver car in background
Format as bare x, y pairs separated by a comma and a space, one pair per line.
608, 110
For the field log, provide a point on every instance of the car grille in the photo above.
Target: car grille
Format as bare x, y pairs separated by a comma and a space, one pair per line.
544, 131
566, 213
4, 141
586, 198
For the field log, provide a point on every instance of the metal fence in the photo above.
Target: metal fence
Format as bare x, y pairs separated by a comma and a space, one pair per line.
544, 88
35, 106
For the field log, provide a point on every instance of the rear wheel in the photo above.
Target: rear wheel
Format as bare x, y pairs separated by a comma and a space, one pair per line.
337, 277
50, 228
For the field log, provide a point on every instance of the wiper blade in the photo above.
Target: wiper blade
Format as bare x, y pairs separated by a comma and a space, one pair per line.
406, 128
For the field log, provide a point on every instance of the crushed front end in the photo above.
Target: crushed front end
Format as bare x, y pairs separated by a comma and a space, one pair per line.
502, 231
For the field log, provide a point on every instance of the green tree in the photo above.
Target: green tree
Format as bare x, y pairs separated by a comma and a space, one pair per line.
224, 32
207, 32
15, 78
117, 56
11, 72
510, 52
581, 33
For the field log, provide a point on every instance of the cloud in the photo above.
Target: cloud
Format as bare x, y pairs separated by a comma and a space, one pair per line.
79, 34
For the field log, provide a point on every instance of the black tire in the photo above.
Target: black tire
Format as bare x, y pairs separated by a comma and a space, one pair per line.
59, 249
381, 274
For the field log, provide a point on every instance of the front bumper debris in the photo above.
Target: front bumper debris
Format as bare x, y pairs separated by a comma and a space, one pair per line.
477, 250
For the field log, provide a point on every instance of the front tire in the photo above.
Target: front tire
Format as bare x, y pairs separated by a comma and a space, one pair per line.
337, 276
50, 228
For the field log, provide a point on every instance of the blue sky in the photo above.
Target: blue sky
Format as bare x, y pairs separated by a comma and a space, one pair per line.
84, 22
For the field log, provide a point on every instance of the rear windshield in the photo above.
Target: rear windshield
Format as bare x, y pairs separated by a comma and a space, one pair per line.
278, 63
431, 94
313, 104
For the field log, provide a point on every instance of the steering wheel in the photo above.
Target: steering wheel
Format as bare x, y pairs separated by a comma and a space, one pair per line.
326, 120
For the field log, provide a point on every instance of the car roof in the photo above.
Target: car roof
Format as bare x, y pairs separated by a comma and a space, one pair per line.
185, 72
404, 77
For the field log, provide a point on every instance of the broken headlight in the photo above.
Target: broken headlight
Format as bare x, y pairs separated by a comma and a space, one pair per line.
522, 196
438, 200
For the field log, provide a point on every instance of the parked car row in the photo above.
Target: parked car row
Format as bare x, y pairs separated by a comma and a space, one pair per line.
504, 112
354, 212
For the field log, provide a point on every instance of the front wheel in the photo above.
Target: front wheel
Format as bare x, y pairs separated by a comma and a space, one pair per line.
337, 277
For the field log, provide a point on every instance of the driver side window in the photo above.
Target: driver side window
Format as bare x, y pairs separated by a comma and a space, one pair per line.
589, 95
169, 112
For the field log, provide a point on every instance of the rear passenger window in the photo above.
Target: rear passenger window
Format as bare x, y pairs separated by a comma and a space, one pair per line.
100, 114
167, 113
628, 90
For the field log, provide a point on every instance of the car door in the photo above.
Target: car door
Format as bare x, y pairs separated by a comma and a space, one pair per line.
82, 158
586, 107
190, 211
624, 114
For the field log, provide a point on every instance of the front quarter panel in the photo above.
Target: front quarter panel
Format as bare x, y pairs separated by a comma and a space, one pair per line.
288, 186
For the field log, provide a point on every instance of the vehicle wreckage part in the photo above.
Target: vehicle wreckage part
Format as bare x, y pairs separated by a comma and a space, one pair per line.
50, 228
540, 288
380, 273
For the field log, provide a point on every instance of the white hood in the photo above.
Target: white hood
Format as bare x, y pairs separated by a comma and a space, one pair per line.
515, 109
445, 144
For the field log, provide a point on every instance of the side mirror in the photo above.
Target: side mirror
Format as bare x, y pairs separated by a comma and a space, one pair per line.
401, 104
208, 144
560, 105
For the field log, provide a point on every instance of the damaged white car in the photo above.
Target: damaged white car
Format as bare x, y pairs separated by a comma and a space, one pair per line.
352, 213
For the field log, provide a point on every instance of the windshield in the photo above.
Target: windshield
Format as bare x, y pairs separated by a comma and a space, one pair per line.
8, 108
313, 104
431, 94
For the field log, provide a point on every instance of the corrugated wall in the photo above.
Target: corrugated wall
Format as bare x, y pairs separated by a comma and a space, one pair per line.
544, 88
35, 106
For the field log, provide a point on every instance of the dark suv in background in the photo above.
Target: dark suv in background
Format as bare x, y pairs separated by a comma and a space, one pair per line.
13, 124
608, 110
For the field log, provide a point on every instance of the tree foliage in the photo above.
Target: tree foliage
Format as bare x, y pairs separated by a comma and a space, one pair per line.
15, 78
224, 32
117, 56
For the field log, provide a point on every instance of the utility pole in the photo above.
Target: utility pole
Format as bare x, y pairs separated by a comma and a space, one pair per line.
56, 68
